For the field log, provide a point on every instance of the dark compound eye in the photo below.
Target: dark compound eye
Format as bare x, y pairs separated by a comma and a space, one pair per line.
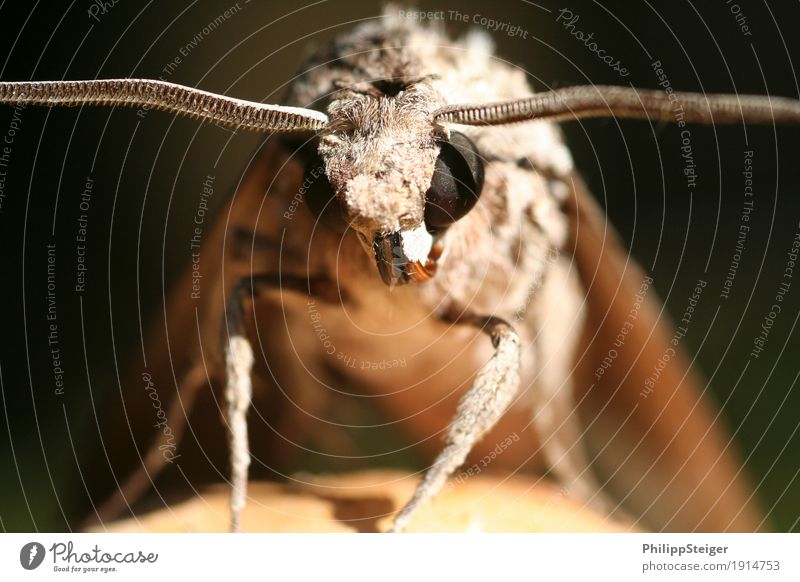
457, 182
319, 195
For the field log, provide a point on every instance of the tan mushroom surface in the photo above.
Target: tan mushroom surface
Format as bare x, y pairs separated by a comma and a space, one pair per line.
365, 502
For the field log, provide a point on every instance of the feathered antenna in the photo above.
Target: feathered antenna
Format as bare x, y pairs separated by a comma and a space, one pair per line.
186, 101
625, 102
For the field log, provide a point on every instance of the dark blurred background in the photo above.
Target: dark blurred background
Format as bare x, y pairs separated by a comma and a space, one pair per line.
141, 168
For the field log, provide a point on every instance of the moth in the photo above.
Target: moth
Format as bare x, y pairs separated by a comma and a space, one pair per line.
416, 202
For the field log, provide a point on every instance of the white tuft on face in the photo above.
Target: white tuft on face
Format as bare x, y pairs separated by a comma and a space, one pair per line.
416, 243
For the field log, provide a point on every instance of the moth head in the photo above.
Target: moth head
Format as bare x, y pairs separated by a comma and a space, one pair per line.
383, 169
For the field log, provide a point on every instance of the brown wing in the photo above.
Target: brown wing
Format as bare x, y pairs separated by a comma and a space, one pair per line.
662, 444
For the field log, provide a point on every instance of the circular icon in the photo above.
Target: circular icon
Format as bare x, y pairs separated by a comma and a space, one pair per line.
31, 555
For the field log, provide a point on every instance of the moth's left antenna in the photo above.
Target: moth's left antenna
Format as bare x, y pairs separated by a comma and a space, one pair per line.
186, 101
581, 102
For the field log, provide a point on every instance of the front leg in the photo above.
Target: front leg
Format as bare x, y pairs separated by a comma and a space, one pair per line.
478, 411
239, 361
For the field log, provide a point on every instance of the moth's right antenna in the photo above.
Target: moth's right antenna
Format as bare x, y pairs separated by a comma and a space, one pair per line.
625, 102
170, 97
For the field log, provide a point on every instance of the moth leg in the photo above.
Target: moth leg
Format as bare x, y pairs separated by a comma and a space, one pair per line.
478, 411
556, 419
143, 477
561, 434
238, 395
239, 361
